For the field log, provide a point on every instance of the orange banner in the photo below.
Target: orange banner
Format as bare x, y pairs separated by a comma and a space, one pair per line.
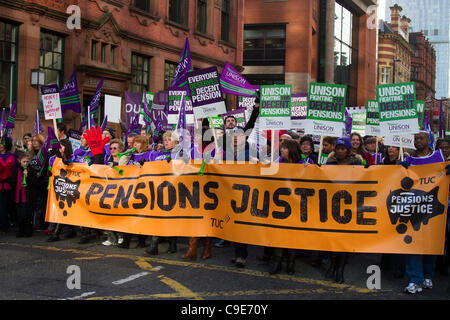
382, 209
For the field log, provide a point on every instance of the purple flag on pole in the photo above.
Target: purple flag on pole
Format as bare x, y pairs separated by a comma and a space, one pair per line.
184, 66
348, 122
2, 120
11, 121
37, 124
132, 108
51, 142
232, 82
69, 95
104, 123
96, 99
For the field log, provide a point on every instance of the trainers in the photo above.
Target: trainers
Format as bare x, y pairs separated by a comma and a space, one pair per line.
219, 244
427, 284
413, 288
107, 243
240, 262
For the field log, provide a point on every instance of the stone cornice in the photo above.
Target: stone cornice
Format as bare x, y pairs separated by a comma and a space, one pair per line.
396, 38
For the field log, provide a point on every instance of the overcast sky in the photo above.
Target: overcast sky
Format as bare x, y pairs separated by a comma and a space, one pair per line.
381, 9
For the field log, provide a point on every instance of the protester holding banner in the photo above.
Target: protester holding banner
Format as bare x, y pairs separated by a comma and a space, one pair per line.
370, 146
116, 146
420, 268
394, 262
290, 153
21, 177
357, 144
80, 154
444, 146
62, 132
327, 149
308, 156
342, 156
7, 163
65, 153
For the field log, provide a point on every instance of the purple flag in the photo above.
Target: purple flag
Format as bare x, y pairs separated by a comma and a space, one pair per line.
348, 122
184, 66
11, 121
104, 123
2, 120
182, 118
96, 99
232, 82
427, 128
69, 95
132, 108
51, 142
38, 129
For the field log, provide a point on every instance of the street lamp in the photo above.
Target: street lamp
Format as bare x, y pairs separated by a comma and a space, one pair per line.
37, 77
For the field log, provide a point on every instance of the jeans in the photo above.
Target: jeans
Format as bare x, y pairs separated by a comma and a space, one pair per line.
419, 267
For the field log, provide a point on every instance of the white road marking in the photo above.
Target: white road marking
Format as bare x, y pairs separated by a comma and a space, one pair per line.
130, 278
86, 294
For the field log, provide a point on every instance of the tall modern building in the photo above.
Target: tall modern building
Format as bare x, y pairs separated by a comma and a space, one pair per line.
432, 17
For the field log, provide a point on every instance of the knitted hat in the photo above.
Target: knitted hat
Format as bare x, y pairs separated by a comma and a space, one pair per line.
344, 141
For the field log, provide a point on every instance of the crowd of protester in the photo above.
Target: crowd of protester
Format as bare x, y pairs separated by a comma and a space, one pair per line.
24, 188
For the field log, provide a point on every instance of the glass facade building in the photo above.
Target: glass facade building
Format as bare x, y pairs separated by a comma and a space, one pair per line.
433, 18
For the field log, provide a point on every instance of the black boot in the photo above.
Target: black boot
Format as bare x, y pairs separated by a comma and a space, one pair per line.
55, 235
340, 266
331, 272
275, 264
290, 267
172, 245
126, 241
141, 241
153, 248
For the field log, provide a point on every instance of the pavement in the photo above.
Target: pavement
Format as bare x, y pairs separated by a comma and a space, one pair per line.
33, 269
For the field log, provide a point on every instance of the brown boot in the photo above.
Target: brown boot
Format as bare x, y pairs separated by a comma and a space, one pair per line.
206, 248
192, 251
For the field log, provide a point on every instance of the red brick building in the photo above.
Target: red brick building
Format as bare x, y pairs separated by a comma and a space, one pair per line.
134, 44
394, 51
301, 41
423, 66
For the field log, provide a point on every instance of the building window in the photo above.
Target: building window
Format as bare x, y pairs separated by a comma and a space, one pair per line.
225, 26
178, 10
94, 50
169, 72
346, 51
144, 5
140, 72
385, 75
202, 16
414, 73
103, 52
112, 56
264, 45
8, 63
52, 58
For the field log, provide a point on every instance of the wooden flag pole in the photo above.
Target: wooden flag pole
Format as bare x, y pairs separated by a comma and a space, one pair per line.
320, 148
401, 149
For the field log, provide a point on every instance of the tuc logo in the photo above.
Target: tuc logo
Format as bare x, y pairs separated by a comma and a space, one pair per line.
66, 190
412, 205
